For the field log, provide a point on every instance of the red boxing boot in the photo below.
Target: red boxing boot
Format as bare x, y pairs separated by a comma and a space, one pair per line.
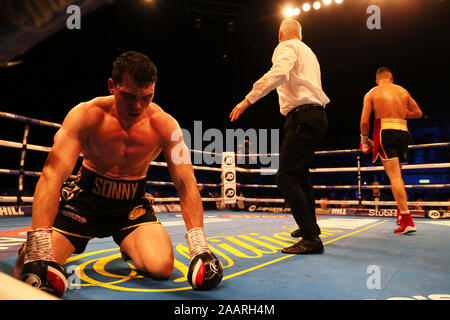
406, 224
398, 217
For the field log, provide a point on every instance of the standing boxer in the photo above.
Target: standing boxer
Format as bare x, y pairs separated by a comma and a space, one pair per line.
118, 135
295, 74
391, 105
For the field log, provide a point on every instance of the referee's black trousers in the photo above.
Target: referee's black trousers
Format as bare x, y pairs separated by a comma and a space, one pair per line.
304, 128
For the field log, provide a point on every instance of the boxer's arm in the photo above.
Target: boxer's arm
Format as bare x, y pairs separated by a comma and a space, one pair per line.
40, 268
57, 168
365, 115
181, 171
190, 200
366, 144
413, 110
205, 270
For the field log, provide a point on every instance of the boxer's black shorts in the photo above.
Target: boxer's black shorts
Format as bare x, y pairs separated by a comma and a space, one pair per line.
93, 206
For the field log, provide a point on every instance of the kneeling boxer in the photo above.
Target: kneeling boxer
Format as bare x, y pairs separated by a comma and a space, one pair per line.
391, 105
118, 135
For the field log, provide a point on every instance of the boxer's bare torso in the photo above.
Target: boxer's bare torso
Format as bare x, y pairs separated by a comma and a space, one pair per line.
119, 149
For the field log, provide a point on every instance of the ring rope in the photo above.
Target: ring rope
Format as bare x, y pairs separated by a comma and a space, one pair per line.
165, 199
410, 186
345, 151
354, 169
169, 183
32, 121
324, 152
444, 185
17, 145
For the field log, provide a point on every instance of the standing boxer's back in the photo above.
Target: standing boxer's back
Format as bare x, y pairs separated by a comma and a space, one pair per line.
389, 101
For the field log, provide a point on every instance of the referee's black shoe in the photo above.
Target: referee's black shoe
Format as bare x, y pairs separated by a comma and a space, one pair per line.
296, 233
305, 247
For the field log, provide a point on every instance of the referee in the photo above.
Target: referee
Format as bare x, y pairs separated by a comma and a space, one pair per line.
295, 73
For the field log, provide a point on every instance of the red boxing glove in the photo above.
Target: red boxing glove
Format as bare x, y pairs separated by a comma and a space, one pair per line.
205, 270
40, 268
47, 276
366, 144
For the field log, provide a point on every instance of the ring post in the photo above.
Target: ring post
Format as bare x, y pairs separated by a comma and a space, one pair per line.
22, 162
358, 160
228, 178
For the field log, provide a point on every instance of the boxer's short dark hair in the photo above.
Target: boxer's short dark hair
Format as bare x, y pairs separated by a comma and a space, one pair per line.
382, 72
137, 65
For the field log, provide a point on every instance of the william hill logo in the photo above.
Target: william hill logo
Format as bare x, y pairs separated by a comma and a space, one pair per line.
11, 211
114, 189
239, 254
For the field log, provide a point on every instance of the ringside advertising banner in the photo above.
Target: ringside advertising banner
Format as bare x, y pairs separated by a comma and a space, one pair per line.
12, 211
363, 212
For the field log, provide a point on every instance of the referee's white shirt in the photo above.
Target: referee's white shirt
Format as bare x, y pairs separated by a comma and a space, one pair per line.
295, 73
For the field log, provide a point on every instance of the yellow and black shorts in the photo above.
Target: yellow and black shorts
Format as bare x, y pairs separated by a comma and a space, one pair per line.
93, 206
390, 140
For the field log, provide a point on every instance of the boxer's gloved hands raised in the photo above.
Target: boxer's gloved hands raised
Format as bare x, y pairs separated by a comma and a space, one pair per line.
366, 144
205, 270
40, 268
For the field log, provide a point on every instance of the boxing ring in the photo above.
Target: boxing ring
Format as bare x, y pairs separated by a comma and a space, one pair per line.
363, 257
